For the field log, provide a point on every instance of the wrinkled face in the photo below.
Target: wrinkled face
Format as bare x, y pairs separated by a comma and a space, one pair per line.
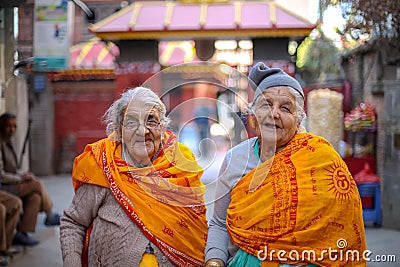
9, 128
276, 116
141, 131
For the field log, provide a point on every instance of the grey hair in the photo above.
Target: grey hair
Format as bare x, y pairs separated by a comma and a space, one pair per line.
114, 115
301, 113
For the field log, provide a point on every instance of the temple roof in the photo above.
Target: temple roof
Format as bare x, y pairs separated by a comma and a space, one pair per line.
91, 60
93, 54
166, 19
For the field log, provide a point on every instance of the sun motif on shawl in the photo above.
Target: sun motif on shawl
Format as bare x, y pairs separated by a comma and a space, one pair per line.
340, 180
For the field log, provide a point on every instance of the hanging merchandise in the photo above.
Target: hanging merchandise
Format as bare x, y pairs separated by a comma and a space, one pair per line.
361, 118
366, 175
325, 116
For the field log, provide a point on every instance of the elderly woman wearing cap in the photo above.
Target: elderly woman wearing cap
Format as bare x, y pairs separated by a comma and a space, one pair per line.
284, 197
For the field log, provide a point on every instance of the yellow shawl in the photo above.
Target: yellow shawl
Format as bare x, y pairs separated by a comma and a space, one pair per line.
164, 200
304, 201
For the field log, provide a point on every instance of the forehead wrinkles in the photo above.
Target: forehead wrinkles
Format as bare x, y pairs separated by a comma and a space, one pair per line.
142, 113
282, 95
278, 92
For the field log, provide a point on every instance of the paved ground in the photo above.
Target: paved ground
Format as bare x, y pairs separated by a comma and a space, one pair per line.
382, 242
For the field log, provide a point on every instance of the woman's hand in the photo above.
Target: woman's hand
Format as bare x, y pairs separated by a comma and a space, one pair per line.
27, 177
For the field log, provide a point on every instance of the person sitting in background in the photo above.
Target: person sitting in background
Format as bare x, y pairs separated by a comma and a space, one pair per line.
284, 194
23, 184
10, 209
139, 200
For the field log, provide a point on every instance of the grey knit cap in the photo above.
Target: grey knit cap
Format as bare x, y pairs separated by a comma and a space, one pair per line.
264, 77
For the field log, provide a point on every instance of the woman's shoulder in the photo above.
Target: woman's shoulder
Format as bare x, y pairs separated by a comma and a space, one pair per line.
101, 141
245, 146
319, 143
98, 144
315, 138
242, 154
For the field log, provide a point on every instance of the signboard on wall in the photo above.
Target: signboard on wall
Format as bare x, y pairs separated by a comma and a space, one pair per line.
39, 83
51, 35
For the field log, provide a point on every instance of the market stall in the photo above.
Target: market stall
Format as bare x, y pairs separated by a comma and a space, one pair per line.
360, 126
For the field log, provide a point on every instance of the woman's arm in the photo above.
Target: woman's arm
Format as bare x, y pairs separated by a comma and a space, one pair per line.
217, 241
76, 220
238, 161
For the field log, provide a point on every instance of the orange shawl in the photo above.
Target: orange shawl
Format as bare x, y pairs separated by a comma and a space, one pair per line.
164, 200
304, 201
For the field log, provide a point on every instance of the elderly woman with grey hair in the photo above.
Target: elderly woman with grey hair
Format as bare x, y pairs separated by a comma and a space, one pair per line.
138, 195
284, 197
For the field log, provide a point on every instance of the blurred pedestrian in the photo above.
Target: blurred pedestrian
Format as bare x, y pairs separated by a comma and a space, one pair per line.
284, 194
138, 195
10, 209
23, 184
202, 119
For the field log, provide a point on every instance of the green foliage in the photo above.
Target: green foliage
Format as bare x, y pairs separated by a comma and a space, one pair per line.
317, 59
379, 20
380, 17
